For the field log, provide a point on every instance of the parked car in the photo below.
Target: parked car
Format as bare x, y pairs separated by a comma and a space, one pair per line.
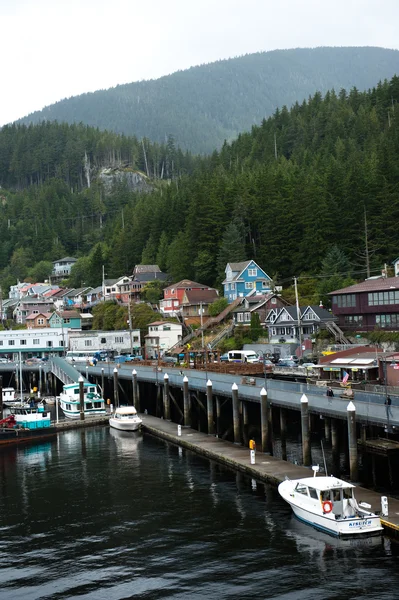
123, 358
268, 364
292, 357
224, 357
4, 360
307, 365
286, 363
170, 359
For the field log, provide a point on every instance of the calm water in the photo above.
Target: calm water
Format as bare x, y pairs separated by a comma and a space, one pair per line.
102, 514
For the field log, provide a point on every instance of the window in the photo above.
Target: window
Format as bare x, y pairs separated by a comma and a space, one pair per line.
313, 493
273, 331
135, 338
36, 341
284, 316
1, 342
22, 342
354, 319
88, 343
387, 320
49, 344
67, 321
274, 301
301, 489
265, 285
249, 285
40, 321
247, 316
166, 328
252, 272
310, 316
383, 298
232, 286
11, 342
119, 339
240, 317
345, 300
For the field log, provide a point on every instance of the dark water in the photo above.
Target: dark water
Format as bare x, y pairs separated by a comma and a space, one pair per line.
102, 514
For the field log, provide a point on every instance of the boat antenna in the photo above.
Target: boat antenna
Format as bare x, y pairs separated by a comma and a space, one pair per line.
324, 457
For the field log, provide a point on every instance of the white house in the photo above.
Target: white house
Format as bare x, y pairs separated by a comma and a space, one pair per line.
161, 336
62, 268
119, 341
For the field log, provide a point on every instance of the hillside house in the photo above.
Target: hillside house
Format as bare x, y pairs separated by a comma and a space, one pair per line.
117, 289
283, 327
173, 295
195, 305
261, 304
31, 306
142, 275
161, 336
69, 319
62, 268
37, 320
75, 298
371, 304
244, 279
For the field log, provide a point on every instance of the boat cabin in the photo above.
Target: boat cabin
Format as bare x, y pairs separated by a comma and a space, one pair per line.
330, 494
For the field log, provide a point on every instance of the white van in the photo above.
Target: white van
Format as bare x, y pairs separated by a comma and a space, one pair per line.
243, 356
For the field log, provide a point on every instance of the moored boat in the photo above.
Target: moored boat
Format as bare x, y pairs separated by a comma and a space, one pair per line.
31, 417
329, 504
125, 418
70, 400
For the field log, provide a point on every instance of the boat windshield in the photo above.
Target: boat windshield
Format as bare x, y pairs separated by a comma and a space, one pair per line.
325, 495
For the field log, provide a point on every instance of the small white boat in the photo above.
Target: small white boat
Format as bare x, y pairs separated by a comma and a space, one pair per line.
125, 418
9, 397
329, 504
70, 401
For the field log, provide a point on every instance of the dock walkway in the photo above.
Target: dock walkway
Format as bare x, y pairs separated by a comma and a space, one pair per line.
267, 468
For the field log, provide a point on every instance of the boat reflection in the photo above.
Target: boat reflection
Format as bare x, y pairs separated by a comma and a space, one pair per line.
312, 540
127, 442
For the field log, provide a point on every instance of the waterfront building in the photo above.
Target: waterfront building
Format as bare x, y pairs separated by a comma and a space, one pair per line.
117, 341
33, 342
371, 304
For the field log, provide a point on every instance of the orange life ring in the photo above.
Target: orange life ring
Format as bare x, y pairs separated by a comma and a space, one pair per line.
327, 506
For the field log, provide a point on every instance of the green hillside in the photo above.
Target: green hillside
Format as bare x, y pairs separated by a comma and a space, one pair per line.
205, 105
284, 193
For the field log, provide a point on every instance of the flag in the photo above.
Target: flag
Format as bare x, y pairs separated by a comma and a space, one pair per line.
345, 377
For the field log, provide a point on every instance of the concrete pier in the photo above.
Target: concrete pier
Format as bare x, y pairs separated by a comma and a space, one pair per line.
270, 470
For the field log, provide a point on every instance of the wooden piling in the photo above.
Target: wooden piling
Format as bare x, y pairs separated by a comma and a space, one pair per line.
209, 406
166, 399
186, 402
283, 433
264, 421
1, 396
81, 399
116, 391
136, 401
102, 383
327, 429
306, 454
352, 441
236, 413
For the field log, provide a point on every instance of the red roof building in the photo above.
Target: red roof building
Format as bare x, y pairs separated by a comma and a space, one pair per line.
173, 295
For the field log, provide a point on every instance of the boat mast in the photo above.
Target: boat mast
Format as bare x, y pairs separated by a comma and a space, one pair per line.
20, 376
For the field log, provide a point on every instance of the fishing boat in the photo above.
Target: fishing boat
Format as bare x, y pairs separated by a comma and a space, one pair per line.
31, 417
125, 418
329, 504
70, 400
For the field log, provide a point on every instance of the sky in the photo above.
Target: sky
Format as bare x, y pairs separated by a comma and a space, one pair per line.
54, 49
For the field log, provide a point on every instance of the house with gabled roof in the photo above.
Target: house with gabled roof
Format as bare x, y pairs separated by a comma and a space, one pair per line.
37, 320
284, 328
195, 305
142, 275
62, 268
263, 304
69, 319
117, 289
245, 279
173, 295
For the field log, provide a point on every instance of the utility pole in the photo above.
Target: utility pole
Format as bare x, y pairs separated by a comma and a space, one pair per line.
130, 325
299, 317
202, 331
103, 285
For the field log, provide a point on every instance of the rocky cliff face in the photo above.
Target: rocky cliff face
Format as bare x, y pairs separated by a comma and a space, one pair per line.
136, 181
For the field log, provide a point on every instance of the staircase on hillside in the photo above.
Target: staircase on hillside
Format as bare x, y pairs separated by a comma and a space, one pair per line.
337, 333
222, 334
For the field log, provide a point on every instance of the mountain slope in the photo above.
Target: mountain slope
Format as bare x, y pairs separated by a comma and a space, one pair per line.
205, 105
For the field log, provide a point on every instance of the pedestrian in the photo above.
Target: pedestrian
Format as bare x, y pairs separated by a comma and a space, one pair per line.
388, 403
330, 392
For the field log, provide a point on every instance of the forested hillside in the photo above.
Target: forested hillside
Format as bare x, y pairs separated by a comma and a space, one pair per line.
203, 106
284, 193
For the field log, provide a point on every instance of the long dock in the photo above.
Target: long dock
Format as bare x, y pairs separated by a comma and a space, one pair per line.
267, 468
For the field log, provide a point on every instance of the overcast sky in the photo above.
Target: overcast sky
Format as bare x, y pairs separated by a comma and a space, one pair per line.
53, 49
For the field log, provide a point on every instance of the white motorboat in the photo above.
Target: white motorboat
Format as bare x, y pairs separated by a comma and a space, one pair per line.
125, 418
329, 504
70, 400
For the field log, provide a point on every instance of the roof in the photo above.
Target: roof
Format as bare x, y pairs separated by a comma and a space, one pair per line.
150, 276
33, 316
146, 269
324, 483
198, 296
370, 285
68, 259
126, 410
110, 281
163, 323
239, 266
187, 283
320, 312
96, 290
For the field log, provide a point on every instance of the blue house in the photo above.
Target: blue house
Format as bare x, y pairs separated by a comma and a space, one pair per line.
69, 319
245, 279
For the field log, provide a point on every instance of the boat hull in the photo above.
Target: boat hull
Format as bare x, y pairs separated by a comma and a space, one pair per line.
125, 424
368, 524
69, 414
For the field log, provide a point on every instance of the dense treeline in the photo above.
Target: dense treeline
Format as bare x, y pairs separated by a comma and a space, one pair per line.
324, 174
34, 154
203, 106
